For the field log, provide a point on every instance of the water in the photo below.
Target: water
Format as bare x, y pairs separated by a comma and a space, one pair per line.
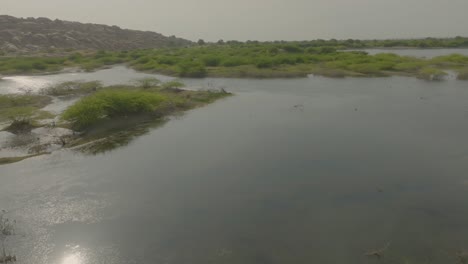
116, 75
420, 53
311, 170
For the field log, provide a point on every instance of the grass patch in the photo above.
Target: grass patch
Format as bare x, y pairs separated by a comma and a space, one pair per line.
23, 106
116, 102
110, 104
72, 88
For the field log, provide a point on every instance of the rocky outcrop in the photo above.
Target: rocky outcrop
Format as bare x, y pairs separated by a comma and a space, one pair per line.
40, 34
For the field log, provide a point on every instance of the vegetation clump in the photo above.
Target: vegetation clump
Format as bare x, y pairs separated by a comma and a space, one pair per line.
110, 104
20, 125
72, 88
23, 106
117, 102
256, 59
149, 82
432, 74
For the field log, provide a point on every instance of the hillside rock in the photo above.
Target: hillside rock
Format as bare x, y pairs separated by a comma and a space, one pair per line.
39, 34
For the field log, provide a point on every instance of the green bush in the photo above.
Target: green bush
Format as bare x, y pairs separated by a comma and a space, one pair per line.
192, 69
234, 61
211, 61
110, 104
264, 63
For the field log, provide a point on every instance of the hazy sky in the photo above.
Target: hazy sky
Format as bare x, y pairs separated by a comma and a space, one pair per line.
261, 19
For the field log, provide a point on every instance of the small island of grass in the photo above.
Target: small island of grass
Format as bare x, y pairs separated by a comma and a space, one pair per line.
102, 119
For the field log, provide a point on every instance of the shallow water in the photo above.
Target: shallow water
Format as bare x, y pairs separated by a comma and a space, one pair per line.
113, 76
420, 53
311, 170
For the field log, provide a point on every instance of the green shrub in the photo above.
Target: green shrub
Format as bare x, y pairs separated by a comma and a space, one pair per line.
264, 63
234, 61
110, 104
166, 60
211, 61
192, 69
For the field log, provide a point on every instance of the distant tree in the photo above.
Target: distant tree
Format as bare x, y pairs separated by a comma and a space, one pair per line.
220, 42
201, 42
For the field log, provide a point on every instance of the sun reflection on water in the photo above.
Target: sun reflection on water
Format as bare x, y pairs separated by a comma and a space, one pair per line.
18, 84
74, 257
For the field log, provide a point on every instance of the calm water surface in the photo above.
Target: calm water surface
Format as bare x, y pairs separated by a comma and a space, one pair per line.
252, 179
421, 53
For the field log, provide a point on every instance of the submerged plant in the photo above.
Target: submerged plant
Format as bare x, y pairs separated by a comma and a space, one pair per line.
6, 229
20, 125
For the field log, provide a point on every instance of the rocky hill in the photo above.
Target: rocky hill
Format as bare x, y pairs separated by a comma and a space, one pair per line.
39, 34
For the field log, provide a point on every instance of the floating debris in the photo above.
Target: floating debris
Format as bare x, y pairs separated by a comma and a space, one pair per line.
299, 107
224, 252
378, 253
462, 257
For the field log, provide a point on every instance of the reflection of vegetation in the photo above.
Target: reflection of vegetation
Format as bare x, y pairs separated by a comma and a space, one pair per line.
113, 134
259, 60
